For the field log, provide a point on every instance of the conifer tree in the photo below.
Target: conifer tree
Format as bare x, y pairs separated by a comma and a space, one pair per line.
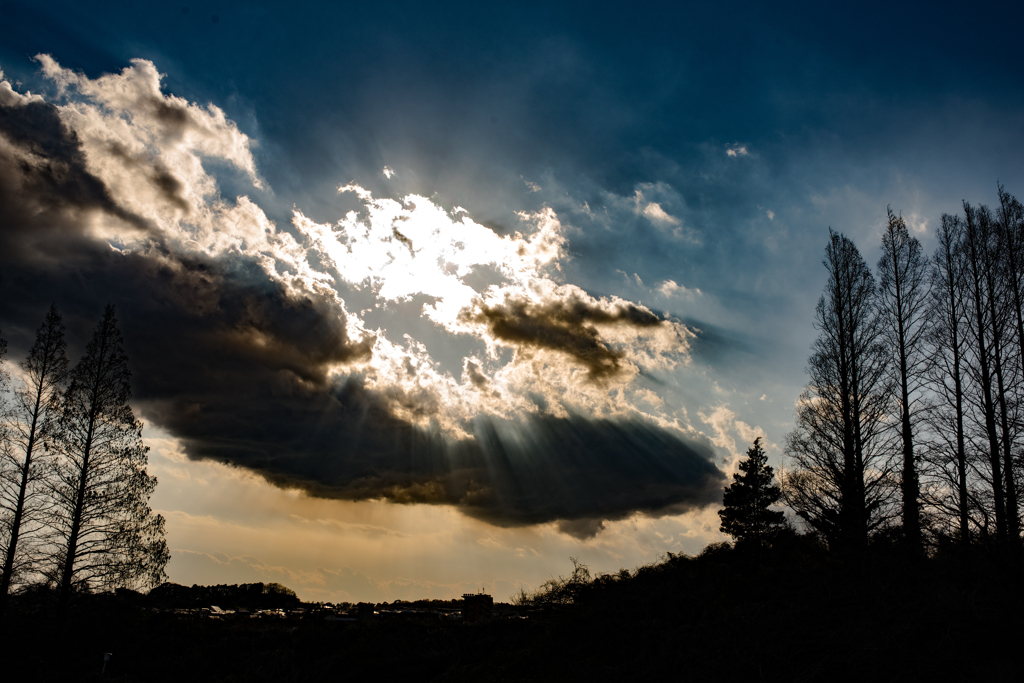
109, 535
746, 515
25, 459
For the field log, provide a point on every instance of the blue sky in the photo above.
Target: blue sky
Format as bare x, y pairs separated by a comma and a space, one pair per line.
694, 157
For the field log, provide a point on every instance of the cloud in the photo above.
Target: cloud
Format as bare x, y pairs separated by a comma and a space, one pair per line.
161, 121
737, 151
727, 429
657, 214
49, 197
243, 344
671, 288
388, 173
568, 325
918, 223
653, 211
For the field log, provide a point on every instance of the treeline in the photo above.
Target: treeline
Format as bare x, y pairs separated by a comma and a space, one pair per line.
74, 490
250, 596
912, 423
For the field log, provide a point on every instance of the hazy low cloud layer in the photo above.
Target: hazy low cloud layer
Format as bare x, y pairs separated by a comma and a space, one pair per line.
288, 351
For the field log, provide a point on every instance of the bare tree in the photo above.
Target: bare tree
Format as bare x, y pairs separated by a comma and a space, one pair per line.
5, 376
902, 305
31, 419
978, 255
947, 337
6, 447
999, 305
1010, 230
841, 484
110, 536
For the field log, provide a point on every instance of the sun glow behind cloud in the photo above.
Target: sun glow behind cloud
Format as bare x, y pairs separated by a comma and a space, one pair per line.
149, 150
404, 352
414, 248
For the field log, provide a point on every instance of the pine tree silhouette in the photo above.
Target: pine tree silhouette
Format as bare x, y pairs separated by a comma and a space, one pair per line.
746, 515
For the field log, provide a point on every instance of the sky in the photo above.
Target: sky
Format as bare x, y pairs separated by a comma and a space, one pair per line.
426, 299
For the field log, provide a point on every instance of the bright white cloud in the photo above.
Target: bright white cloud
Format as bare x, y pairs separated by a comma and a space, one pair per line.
149, 148
653, 211
10, 97
401, 249
671, 288
732, 434
170, 124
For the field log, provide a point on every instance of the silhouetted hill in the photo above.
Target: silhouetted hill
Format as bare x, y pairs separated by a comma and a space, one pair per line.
790, 613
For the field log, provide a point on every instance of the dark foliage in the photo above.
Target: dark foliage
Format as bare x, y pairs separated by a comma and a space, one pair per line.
683, 617
747, 515
250, 596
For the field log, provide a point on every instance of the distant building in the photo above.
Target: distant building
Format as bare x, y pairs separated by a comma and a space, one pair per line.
477, 607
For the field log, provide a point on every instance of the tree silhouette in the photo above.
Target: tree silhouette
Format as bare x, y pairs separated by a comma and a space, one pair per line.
746, 515
949, 345
903, 307
110, 536
841, 484
978, 270
24, 461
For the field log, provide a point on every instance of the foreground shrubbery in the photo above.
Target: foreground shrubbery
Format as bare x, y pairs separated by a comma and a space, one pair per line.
791, 612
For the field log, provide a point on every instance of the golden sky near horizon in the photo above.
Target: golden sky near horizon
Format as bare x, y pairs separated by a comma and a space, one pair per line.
227, 525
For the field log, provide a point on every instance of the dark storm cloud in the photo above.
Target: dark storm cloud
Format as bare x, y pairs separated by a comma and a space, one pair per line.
346, 444
564, 325
241, 369
580, 468
46, 191
236, 369
232, 397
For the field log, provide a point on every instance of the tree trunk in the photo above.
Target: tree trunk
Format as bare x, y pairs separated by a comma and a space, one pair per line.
976, 243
